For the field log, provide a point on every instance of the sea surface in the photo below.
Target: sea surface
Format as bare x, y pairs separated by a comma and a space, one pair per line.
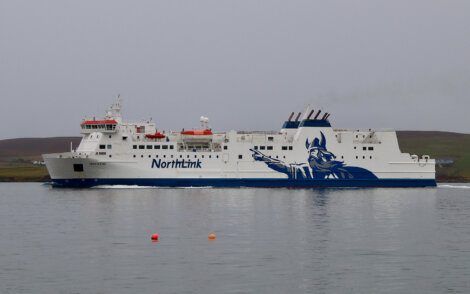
268, 240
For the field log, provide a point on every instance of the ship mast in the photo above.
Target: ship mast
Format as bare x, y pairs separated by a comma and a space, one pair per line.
114, 111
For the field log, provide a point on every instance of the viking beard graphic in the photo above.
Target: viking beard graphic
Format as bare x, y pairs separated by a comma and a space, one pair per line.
322, 164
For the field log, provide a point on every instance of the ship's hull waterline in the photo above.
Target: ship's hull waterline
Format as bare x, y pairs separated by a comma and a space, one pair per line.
244, 183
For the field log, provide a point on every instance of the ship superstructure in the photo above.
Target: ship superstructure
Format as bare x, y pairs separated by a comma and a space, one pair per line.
306, 152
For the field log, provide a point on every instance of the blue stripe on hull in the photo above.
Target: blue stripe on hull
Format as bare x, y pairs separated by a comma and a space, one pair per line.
235, 183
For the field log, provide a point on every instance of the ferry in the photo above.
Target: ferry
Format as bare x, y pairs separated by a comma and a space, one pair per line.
305, 153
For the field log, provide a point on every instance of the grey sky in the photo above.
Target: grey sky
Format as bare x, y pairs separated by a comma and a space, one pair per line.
245, 64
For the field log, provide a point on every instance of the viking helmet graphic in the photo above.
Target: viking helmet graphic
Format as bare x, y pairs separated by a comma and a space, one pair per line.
319, 144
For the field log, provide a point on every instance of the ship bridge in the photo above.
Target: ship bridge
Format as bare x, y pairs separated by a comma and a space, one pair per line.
105, 126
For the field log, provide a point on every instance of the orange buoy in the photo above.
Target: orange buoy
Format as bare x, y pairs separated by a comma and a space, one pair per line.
212, 236
154, 237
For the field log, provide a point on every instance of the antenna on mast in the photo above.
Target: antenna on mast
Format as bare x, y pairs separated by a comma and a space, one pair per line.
114, 111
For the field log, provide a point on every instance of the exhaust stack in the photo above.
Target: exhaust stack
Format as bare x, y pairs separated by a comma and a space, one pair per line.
298, 116
310, 114
290, 117
316, 116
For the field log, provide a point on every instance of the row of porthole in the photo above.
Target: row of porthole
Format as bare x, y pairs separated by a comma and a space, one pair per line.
195, 156
363, 157
150, 147
365, 148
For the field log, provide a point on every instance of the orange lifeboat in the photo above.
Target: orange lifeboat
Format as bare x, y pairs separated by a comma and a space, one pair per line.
157, 135
197, 133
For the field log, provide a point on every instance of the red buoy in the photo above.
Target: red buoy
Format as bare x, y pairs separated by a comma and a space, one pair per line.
212, 236
154, 237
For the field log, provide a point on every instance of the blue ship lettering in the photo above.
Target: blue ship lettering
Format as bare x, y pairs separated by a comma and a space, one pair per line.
176, 164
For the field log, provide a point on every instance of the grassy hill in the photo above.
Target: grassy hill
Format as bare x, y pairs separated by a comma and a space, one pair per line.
16, 155
440, 145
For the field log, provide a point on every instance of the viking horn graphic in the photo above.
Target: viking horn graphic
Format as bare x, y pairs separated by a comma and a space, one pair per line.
323, 140
307, 144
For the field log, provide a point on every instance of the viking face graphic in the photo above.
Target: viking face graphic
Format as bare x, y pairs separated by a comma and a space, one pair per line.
319, 157
322, 164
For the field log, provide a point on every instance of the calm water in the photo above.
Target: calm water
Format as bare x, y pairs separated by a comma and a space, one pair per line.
268, 240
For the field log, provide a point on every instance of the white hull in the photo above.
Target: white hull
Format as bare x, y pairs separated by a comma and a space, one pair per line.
303, 153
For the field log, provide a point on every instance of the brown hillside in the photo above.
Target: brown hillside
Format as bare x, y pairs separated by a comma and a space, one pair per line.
34, 147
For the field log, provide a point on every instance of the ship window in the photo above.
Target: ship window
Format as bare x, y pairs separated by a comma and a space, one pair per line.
355, 147
172, 147
123, 138
110, 156
164, 156
270, 148
142, 156
149, 146
141, 146
102, 146
181, 156
364, 148
270, 138
342, 157
109, 136
240, 156
277, 156
371, 148
363, 157
217, 156
202, 156
284, 156
156, 156
78, 167
256, 147
210, 156
284, 147
262, 147
171, 156
357, 157
290, 147
134, 155
371, 157
225, 147
164, 146
187, 156
157, 147
195, 156
109, 146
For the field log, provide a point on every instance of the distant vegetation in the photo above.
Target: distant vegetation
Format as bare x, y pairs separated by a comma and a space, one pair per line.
17, 157
452, 149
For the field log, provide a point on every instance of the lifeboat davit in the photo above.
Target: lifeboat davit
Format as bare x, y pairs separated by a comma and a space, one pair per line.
157, 135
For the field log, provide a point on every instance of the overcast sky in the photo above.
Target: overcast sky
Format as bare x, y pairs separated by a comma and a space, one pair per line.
244, 64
